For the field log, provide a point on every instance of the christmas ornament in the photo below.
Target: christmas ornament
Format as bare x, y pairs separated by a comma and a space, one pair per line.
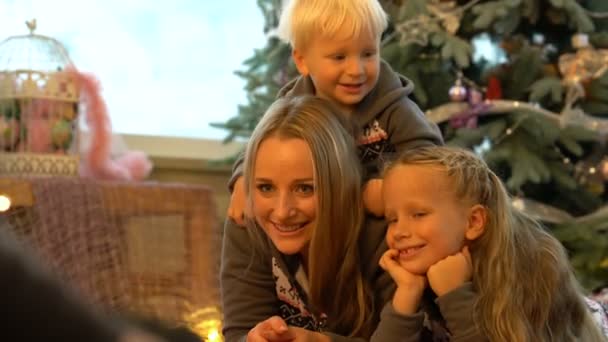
447, 13
458, 92
494, 89
604, 168
442, 16
416, 30
468, 117
586, 64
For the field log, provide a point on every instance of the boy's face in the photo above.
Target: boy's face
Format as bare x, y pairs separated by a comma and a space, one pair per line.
343, 69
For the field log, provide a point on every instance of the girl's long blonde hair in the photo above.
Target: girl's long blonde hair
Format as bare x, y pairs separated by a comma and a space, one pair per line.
526, 288
336, 284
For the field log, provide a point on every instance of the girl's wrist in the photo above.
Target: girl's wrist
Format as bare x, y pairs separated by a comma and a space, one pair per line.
407, 300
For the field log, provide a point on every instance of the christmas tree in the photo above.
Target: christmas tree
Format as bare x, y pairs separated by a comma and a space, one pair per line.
535, 104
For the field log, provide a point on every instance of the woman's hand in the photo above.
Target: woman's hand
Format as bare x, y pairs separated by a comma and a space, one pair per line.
450, 272
303, 335
275, 329
409, 286
270, 330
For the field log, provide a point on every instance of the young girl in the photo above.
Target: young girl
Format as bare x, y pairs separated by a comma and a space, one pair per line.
492, 271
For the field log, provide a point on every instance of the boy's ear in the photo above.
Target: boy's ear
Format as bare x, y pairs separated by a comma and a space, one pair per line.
478, 217
298, 59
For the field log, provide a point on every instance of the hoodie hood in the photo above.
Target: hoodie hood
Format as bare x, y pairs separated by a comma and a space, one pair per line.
390, 88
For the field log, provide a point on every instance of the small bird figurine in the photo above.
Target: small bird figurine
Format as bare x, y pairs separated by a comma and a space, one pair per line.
31, 25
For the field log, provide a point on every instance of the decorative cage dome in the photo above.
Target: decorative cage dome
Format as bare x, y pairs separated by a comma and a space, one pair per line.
38, 107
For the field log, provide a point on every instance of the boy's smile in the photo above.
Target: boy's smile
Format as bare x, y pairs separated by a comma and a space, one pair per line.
352, 88
343, 68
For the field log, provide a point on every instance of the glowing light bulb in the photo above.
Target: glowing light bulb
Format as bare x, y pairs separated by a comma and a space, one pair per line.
5, 203
214, 336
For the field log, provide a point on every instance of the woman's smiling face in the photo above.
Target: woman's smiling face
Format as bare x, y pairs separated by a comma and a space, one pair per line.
284, 196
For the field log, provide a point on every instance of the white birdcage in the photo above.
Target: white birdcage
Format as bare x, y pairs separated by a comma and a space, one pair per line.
38, 107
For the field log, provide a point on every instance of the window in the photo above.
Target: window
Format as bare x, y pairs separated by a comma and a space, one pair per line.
166, 67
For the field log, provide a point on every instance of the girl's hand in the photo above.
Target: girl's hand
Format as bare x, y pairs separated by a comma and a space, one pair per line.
273, 329
450, 272
409, 286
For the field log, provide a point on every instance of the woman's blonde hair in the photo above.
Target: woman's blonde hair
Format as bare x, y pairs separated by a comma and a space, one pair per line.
336, 285
526, 288
301, 20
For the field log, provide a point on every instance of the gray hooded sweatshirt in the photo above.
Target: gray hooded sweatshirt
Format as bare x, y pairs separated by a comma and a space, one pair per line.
387, 120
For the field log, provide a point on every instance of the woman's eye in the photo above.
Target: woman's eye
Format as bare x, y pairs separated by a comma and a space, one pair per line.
264, 187
419, 214
338, 57
305, 188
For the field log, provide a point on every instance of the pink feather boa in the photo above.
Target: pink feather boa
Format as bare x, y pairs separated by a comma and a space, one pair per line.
97, 162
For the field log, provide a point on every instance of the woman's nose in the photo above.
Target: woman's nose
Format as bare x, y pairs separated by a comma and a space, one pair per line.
285, 207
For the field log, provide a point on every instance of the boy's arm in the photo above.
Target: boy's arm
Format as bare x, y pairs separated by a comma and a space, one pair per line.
237, 206
237, 171
246, 283
408, 127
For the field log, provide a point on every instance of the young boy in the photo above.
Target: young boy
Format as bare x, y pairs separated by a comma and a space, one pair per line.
336, 45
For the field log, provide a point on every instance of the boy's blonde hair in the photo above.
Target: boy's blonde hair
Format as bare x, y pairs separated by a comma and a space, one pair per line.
301, 20
526, 288
337, 286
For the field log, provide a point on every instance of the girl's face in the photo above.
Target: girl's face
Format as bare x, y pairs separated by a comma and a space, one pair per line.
427, 222
284, 196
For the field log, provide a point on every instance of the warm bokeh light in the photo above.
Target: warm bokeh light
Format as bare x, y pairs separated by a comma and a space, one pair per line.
214, 336
5, 203
206, 323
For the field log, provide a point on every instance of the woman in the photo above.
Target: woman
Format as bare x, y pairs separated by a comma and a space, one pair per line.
306, 262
